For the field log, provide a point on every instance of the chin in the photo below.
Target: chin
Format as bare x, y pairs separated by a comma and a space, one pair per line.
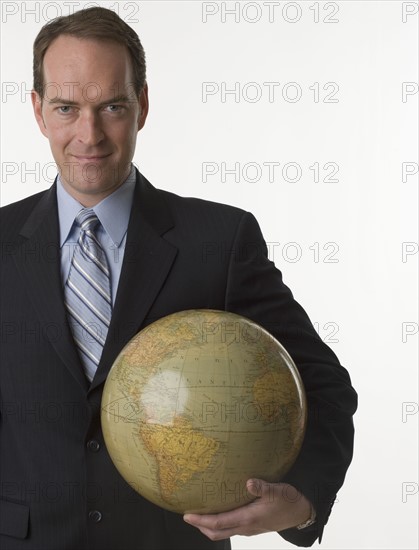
104, 189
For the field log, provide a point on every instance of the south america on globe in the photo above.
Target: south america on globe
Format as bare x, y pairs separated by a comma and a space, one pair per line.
196, 404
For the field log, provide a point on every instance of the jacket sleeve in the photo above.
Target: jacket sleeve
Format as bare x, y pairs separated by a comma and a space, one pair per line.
255, 289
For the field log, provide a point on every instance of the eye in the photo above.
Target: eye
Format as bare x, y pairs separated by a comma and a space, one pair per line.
64, 109
114, 108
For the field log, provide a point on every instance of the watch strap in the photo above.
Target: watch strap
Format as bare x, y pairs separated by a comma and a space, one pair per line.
309, 521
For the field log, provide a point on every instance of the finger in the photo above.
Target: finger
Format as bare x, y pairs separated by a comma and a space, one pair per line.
216, 522
220, 534
214, 526
241, 521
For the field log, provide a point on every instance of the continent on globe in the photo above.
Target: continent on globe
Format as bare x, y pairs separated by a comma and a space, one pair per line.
196, 404
180, 452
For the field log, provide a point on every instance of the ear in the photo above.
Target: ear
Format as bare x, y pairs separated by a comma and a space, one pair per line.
37, 109
143, 101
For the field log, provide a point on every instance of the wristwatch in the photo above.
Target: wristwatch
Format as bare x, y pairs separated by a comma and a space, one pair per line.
309, 521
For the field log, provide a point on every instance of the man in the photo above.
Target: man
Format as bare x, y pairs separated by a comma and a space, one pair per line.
148, 250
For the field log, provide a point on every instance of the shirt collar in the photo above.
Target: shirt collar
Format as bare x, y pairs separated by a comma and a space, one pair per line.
113, 211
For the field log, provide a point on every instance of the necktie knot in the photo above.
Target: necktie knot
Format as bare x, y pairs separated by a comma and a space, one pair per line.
86, 219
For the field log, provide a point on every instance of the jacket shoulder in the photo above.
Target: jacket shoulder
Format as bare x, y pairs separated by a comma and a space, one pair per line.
193, 208
13, 216
24, 204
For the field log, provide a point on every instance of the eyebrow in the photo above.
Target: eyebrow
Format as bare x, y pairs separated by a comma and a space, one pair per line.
118, 99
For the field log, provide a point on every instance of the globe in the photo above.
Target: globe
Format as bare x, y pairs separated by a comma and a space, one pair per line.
197, 403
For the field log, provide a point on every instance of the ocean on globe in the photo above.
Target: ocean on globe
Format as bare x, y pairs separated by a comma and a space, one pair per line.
197, 403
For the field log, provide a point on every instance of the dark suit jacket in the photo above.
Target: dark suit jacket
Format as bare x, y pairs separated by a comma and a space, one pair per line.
59, 488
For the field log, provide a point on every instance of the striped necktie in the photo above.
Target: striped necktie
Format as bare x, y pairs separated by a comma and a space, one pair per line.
87, 294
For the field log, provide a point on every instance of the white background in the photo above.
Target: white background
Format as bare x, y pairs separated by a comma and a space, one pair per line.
356, 278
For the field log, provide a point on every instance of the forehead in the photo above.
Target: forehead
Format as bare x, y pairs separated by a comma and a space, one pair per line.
77, 66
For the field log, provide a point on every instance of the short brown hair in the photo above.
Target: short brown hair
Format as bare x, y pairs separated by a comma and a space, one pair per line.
93, 23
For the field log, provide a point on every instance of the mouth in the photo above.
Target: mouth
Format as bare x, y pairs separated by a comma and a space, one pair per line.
91, 158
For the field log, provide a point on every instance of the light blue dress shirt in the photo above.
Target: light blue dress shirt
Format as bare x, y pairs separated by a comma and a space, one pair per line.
113, 213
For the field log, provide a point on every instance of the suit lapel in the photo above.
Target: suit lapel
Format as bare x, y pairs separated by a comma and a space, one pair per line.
147, 261
38, 261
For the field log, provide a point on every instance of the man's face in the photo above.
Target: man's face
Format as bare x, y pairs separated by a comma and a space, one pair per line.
90, 114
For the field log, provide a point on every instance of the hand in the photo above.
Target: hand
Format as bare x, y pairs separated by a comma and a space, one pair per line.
278, 506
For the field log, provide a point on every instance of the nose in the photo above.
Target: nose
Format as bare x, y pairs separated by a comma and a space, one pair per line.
89, 130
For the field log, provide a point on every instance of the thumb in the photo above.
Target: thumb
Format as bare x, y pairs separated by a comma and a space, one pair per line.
256, 487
